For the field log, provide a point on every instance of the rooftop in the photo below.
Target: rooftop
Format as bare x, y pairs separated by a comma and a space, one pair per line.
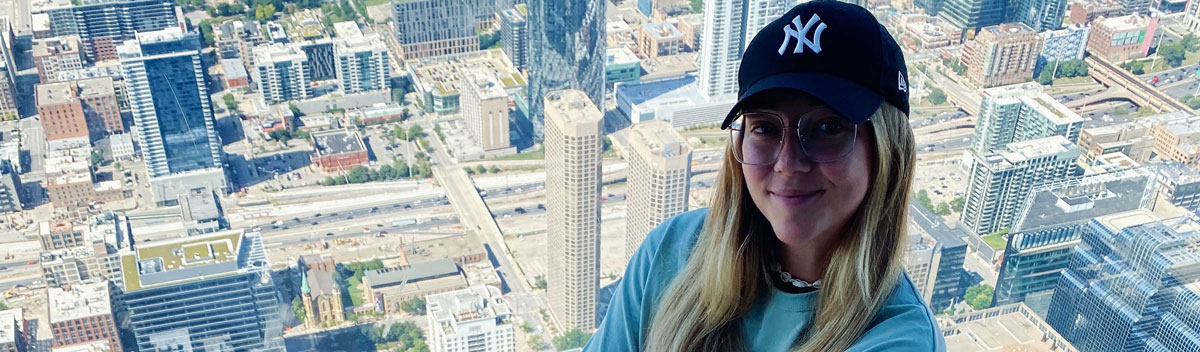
172, 260
199, 204
620, 56
1125, 23
1118, 221
658, 139
441, 75
485, 83
411, 273
233, 68
337, 142
1018, 152
95, 86
55, 93
449, 309
360, 43
277, 52
9, 320
663, 31
1008, 28
666, 92
1177, 173
94, 346
1012, 327
56, 46
1091, 196
79, 301
572, 106
320, 282
948, 237
347, 29
515, 14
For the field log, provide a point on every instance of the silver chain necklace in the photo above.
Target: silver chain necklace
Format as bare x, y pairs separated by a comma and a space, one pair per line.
787, 277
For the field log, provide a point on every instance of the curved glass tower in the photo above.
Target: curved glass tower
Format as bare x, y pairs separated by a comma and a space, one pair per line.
566, 51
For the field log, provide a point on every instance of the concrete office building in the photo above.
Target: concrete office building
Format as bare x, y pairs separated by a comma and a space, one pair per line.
1021, 112
54, 55
621, 65
1180, 184
514, 36
10, 188
1130, 285
999, 181
82, 313
1002, 54
175, 289
428, 28
1122, 38
172, 113
485, 107
1178, 139
656, 39
471, 319
573, 148
1051, 225
566, 51
660, 167
943, 282
282, 73
14, 331
728, 28
1131, 138
102, 25
362, 64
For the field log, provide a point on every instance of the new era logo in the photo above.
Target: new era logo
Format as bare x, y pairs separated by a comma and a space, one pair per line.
903, 84
799, 29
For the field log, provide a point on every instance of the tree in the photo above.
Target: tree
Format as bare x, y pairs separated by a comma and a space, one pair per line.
231, 103
943, 209
539, 282
415, 131
1190, 42
574, 338
281, 135
937, 96
1136, 67
956, 204
264, 12
1121, 111
468, 170
480, 169
1173, 53
923, 198
536, 343
607, 144
97, 157
493, 169
207, 33
414, 306
697, 6
298, 307
979, 296
1046, 77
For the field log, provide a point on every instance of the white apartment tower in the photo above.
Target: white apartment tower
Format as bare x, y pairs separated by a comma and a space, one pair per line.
660, 165
1021, 112
1000, 181
728, 28
573, 147
362, 63
281, 73
471, 319
485, 107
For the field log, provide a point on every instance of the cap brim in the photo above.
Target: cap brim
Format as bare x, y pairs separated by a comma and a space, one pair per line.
852, 101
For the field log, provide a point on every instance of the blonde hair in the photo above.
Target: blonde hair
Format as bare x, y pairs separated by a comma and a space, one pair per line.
702, 306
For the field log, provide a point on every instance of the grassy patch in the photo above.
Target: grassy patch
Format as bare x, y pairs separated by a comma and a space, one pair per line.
539, 154
1160, 64
713, 140
996, 241
377, 2
1072, 80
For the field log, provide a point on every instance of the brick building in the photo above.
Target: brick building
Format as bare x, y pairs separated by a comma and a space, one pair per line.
338, 150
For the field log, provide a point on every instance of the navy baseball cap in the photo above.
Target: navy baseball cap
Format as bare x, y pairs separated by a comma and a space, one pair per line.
834, 51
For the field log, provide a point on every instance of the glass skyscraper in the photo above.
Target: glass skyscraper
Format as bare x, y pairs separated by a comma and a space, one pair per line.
168, 95
102, 25
1131, 285
201, 293
566, 51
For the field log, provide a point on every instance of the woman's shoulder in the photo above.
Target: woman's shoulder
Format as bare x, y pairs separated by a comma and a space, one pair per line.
675, 237
904, 320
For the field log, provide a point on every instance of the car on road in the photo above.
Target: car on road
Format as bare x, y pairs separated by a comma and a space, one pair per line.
541, 206
317, 215
329, 234
314, 223
520, 210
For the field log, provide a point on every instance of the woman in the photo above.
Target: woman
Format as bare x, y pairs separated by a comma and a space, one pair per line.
802, 247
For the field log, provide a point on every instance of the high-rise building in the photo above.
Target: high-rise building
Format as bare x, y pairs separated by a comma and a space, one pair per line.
1002, 54
1000, 180
566, 51
54, 55
1180, 184
172, 113
81, 314
1041, 15
1055, 215
427, 28
209, 292
1122, 38
10, 188
1135, 6
656, 39
573, 147
1191, 16
102, 25
485, 107
8, 72
1021, 112
1178, 140
728, 28
282, 73
14, 331
470, 319
931, 7
514, 36
362, 63
1131, 285
971, 15
942, 283
660, 165
321, 61
1061, 45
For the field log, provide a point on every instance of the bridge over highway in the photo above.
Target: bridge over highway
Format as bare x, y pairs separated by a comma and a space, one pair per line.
1139, 92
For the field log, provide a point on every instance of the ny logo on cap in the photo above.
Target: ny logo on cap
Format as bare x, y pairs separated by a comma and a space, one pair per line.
799, 30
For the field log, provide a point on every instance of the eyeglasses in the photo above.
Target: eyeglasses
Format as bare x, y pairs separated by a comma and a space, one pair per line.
824, 136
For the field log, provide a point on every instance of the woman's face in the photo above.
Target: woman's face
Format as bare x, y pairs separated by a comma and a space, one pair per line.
807, 203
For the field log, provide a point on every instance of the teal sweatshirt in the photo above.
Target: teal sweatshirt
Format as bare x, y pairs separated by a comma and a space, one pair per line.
774, 322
